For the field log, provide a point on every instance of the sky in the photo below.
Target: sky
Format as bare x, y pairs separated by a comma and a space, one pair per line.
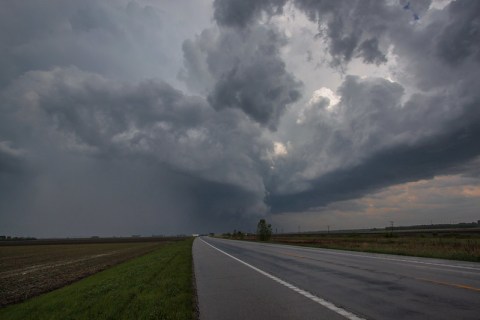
174, 117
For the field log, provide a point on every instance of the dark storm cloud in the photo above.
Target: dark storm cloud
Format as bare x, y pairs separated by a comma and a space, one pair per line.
127, 39
368, 118
370, 53
372, 139
388, 167
237, 13
11, 160
259, 85
460, 37
351, 27
469, 169
242, 70
134, 144
89, 145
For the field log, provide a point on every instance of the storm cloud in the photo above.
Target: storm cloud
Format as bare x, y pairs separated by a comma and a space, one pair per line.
245, 72
73, 118
383, 133
135, 118
235, 13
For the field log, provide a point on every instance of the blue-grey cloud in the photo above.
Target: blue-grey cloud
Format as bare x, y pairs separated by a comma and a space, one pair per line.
236, 13
458, 40
388, 167
242, 70
107, 146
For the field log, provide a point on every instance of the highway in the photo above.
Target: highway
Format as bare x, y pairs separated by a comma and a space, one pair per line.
247, 280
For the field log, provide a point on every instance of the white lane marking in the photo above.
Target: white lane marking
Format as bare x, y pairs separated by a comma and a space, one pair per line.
409, 261
404, 260
327, 251
304, 293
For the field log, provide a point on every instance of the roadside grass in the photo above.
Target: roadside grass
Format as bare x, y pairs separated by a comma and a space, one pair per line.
157, 285
427, 245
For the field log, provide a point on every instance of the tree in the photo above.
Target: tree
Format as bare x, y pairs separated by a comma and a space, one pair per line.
264, 230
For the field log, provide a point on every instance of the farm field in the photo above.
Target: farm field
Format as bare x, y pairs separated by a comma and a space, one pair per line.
157, 285
28, 269
447, 245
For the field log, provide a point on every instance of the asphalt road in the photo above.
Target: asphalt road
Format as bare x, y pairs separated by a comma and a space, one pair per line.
245, 280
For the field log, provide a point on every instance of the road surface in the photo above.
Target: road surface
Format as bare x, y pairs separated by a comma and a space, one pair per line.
246, 280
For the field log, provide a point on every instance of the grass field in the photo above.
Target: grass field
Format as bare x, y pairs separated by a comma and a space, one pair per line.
443, 244
28, 270
157, 285
428, 244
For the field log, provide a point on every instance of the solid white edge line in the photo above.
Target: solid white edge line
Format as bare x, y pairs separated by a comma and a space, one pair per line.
304, 293
408, 261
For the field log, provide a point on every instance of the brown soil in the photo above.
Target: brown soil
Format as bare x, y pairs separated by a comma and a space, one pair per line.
27, 271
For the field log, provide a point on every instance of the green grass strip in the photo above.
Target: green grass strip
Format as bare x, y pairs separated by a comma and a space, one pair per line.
432, 247
155, 286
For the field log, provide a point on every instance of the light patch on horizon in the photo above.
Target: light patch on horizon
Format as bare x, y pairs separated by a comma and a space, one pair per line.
406, 204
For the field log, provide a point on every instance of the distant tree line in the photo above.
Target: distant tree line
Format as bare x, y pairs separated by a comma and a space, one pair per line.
462, 225
239, 235
10, 238
264, 232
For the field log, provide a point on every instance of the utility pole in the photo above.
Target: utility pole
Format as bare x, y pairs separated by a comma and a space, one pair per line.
391, 227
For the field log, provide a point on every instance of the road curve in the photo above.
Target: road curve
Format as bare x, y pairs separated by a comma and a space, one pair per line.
246, 280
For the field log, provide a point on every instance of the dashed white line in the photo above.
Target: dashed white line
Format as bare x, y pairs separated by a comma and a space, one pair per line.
304, 293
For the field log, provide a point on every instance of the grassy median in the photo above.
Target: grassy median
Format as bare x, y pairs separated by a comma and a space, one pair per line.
154, 286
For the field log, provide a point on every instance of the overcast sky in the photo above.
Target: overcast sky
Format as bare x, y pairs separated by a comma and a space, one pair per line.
166, 117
